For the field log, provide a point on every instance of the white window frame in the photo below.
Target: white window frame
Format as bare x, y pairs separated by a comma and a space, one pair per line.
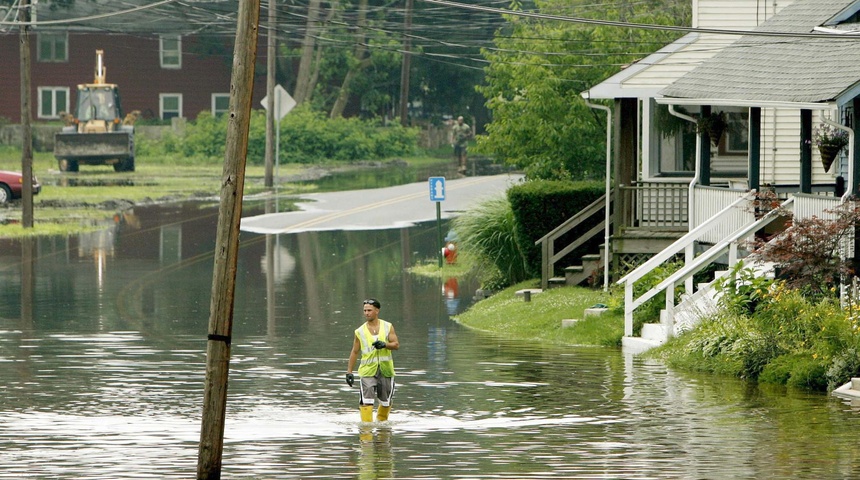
167, 56
216, 96
52, 36
55, 109
162, 97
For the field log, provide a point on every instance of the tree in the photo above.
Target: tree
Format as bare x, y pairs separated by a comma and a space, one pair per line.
538, 69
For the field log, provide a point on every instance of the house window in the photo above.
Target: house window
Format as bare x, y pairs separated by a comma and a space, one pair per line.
220, 103
171, 52
53, 47
170, 105
52, 101
672, 145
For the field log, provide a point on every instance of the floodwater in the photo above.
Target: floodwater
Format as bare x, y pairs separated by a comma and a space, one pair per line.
102, 362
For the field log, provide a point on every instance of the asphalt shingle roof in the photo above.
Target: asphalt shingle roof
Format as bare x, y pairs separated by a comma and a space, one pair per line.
785, 69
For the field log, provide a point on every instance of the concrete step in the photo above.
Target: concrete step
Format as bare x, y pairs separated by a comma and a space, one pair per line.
654, 332
637, 345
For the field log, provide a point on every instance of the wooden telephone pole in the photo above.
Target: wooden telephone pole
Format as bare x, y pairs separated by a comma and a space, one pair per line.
26, 121
271, 68
227, 243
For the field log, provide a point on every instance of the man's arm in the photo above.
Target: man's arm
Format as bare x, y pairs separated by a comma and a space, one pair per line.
353, 355
391, 342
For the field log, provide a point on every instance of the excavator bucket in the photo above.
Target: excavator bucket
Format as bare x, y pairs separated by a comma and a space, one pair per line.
94, 149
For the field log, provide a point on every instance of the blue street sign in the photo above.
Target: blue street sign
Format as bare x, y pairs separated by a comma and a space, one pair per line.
437, 189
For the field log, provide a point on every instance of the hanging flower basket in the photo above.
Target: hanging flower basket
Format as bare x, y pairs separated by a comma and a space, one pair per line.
830, 140
828, 155
714, 125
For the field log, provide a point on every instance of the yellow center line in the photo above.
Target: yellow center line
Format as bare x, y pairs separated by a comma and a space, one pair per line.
381, 203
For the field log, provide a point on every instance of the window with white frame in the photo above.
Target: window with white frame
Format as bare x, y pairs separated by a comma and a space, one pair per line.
170, 50
53, 47
52, 101
170, 105
220, 103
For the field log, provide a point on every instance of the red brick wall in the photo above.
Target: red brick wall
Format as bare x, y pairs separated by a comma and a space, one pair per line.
132, 62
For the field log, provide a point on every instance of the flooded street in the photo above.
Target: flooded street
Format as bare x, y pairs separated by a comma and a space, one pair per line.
102, 362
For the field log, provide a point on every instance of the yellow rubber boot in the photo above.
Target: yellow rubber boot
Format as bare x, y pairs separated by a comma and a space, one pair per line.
366, 412
382, 413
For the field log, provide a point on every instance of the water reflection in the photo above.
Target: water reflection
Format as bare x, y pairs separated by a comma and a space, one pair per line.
103, 364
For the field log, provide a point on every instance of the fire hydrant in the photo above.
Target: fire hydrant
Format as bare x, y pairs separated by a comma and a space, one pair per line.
450, 252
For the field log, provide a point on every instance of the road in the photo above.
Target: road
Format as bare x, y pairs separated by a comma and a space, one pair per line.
380, 208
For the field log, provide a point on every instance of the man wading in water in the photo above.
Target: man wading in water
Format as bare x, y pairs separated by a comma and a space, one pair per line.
374, 341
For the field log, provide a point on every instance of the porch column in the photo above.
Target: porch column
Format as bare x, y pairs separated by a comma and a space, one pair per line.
754, 165
806, 151
856, 125
627, 155
705, 152
854, 183
625, 158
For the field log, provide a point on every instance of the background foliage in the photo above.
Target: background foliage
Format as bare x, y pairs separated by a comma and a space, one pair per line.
539, 68
306, 136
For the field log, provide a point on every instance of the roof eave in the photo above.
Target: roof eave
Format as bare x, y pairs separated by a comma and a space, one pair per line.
734, 102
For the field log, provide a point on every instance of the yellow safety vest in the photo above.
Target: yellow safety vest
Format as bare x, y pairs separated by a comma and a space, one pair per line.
371, 358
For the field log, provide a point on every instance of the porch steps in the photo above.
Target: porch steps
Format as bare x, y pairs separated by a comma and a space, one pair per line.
653, 335
578, 274
688, 313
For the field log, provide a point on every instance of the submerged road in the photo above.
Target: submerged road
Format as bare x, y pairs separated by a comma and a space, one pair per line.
379, 208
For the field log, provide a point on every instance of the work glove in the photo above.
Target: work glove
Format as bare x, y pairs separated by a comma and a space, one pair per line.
350, 378
379, 344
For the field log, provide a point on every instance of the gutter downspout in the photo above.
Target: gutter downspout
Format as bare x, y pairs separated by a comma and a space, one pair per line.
691, 199
689, 252
850, 188
608, 248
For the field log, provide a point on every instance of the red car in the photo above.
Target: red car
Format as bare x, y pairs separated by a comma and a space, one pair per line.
11, 184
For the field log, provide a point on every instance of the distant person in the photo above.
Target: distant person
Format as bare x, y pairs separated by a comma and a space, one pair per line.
373, 342
462, 132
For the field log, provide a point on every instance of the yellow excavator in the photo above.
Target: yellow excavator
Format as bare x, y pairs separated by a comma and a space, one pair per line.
97, 134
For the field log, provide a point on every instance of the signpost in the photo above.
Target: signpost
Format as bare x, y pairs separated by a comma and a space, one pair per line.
437, 194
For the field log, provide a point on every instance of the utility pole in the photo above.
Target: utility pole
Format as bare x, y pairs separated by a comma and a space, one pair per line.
404, 70
271, 67
26, 122
227, 243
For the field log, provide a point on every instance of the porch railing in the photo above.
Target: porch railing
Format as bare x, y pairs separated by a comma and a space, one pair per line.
549, 255
684, 244
654, 205
727, 245
709, 201
809, 205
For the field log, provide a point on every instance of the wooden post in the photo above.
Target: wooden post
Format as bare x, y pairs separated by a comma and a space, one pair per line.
704, 154
271, 67
754, 167
805, 151
26, 122
405, 67
227, 243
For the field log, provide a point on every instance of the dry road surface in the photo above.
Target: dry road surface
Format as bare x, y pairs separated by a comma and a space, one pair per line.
380, 208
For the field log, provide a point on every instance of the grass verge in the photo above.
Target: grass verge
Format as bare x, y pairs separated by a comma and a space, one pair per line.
539, 320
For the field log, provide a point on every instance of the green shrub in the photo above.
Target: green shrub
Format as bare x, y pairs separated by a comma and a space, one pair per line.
540, 206
306, 136
487, 232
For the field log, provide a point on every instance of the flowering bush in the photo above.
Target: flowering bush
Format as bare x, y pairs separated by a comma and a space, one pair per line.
828, 135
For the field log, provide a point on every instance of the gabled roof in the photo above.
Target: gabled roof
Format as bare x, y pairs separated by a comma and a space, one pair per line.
782, 69
183, 17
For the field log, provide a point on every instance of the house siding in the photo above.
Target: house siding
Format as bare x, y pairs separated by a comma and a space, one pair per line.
133, 63
721, 14
735, 14
780, 160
